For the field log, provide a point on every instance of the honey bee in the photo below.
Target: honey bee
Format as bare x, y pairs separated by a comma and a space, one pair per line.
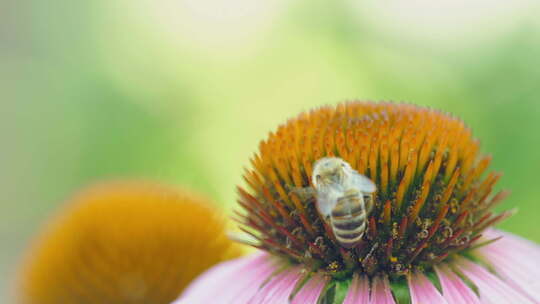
344, 198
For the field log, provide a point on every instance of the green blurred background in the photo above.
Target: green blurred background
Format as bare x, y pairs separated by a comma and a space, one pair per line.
182, 91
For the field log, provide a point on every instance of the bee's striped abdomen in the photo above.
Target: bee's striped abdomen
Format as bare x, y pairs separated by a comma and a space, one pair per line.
348, 219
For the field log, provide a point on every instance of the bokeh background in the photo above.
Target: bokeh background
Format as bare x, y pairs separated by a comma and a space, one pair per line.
182, 91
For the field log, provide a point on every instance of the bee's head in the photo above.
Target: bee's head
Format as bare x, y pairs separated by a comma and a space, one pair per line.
330, 171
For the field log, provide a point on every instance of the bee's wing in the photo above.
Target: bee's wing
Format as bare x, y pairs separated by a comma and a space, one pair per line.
363, 183
326, 201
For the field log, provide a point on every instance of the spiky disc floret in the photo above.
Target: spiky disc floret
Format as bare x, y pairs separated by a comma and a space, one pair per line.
432, 198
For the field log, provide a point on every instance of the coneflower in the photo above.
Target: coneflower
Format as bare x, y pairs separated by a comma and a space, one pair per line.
427, 238
124, 242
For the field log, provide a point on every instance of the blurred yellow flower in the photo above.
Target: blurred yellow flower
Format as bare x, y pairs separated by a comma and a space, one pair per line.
124, 242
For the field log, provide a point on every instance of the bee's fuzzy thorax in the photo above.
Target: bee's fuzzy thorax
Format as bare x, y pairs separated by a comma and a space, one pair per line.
433, 196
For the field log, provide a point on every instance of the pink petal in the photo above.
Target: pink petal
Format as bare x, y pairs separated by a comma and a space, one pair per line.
358, 292
311, 291
278, 289
511, 239
381, 293
423, 291
234, 281
492, 289
455, 291
516, 260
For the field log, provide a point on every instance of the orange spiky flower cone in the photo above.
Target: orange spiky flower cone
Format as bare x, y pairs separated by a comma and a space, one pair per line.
431, 201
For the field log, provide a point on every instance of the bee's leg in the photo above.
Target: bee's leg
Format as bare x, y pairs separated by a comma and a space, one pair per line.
370, 253
368, 200
319, 241
303, 193
369, 261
